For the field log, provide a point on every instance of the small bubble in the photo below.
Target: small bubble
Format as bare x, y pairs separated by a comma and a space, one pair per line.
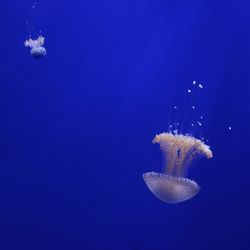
193, 107
199, 123
200, 86
230, 128
201, 116
192, 124
189, 90
175, 107
194, 82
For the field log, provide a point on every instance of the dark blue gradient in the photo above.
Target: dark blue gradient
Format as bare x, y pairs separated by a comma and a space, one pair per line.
76, 126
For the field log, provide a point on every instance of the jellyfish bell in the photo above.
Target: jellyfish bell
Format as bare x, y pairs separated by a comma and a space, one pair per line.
38, 52
170, 189
36, 45
172, 186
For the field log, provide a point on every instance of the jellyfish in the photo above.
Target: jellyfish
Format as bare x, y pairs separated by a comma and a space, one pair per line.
179, 150
37, 50
36, 45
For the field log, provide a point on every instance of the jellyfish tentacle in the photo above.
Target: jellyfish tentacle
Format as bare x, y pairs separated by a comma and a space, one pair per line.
171, 149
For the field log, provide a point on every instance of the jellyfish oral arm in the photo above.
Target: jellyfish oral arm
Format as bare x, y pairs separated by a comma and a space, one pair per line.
36, 43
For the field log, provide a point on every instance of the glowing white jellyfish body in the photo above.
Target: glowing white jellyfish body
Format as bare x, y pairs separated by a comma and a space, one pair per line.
170, 189
37, 49
179, 150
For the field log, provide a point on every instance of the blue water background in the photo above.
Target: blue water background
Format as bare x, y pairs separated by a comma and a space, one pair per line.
77, 125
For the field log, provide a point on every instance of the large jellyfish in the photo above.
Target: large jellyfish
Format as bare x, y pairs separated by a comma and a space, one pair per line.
37, 49
172, 186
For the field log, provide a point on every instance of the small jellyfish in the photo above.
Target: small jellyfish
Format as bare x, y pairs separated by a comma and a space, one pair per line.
37, 50
172, 186
36, 45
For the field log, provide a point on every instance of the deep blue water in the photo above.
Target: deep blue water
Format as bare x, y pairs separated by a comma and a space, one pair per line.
77, 125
